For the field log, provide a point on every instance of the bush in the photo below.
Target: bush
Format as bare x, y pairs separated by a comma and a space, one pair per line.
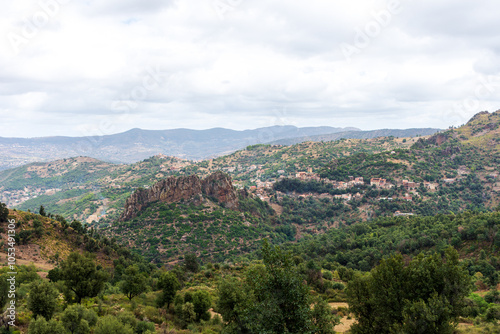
493, 313
338, 286
78, 319
111, 325
144, 326
42, 326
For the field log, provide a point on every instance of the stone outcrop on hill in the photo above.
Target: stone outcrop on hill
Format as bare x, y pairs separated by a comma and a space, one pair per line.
173, 189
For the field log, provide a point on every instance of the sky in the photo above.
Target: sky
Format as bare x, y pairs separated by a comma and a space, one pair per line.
98, 67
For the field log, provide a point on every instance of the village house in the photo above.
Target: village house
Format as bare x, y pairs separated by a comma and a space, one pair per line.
430, 185
301, 175
409, 185
345, 197
307, 176
399, 213
408, 197
379, 182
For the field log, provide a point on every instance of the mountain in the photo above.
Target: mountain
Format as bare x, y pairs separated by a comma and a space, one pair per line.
136, 144
452, 161
185, 214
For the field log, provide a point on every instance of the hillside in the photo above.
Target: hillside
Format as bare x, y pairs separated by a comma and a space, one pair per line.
45, 241
81, 188
359, 135
187, 214
64, 187
261, 163
449, 171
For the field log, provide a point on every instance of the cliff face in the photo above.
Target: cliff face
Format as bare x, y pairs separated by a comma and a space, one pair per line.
220, 186
173, 189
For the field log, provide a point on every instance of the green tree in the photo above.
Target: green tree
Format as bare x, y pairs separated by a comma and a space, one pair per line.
4, 212
111, 325
202, 303
81, 276
275, 300
323, 319
134, 282
191, 263
427, 296
188, 315
42, 299
42, 211
54, 274
42, 326
169, 284
78, 320
145, 326
235, 298
283, 300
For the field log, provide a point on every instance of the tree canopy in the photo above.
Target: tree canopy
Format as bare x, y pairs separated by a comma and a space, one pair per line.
426, 296
82, 277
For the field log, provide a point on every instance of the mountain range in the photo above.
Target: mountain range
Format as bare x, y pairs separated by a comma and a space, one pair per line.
137, 144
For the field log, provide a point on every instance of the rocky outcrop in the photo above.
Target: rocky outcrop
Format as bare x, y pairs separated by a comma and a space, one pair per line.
218, 185
174, 189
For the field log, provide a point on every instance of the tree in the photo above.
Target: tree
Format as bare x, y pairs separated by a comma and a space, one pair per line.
169, 283
77, 226
273, 299
323, 318
78, 320
4, 212
42, 326
111, 325
283, 300
144, 327
134, 282
188, 315
42, 299
201, 303
191, 263
54, 274
42, 211
235, 298
427, 296
81, 276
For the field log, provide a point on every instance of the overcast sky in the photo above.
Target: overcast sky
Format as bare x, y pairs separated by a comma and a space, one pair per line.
95, 67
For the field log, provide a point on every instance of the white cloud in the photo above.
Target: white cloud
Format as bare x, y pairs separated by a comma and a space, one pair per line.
243, 65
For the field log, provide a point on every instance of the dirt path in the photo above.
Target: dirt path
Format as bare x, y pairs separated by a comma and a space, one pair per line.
345, 324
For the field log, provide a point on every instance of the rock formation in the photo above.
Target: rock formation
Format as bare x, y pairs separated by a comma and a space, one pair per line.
173, 189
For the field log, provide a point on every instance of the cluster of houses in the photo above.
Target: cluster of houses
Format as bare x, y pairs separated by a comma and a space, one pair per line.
15, 197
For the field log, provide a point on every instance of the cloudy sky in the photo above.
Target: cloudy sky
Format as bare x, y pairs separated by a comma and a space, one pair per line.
95, 67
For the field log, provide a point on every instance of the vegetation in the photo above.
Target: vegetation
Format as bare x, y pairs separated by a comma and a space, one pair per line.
281, 263
426, 296
82, 277
272, 299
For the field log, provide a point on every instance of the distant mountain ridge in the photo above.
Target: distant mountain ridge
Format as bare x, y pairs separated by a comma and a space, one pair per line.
136, 144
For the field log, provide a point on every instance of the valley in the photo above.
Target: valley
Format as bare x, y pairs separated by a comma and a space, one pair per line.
333, 215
